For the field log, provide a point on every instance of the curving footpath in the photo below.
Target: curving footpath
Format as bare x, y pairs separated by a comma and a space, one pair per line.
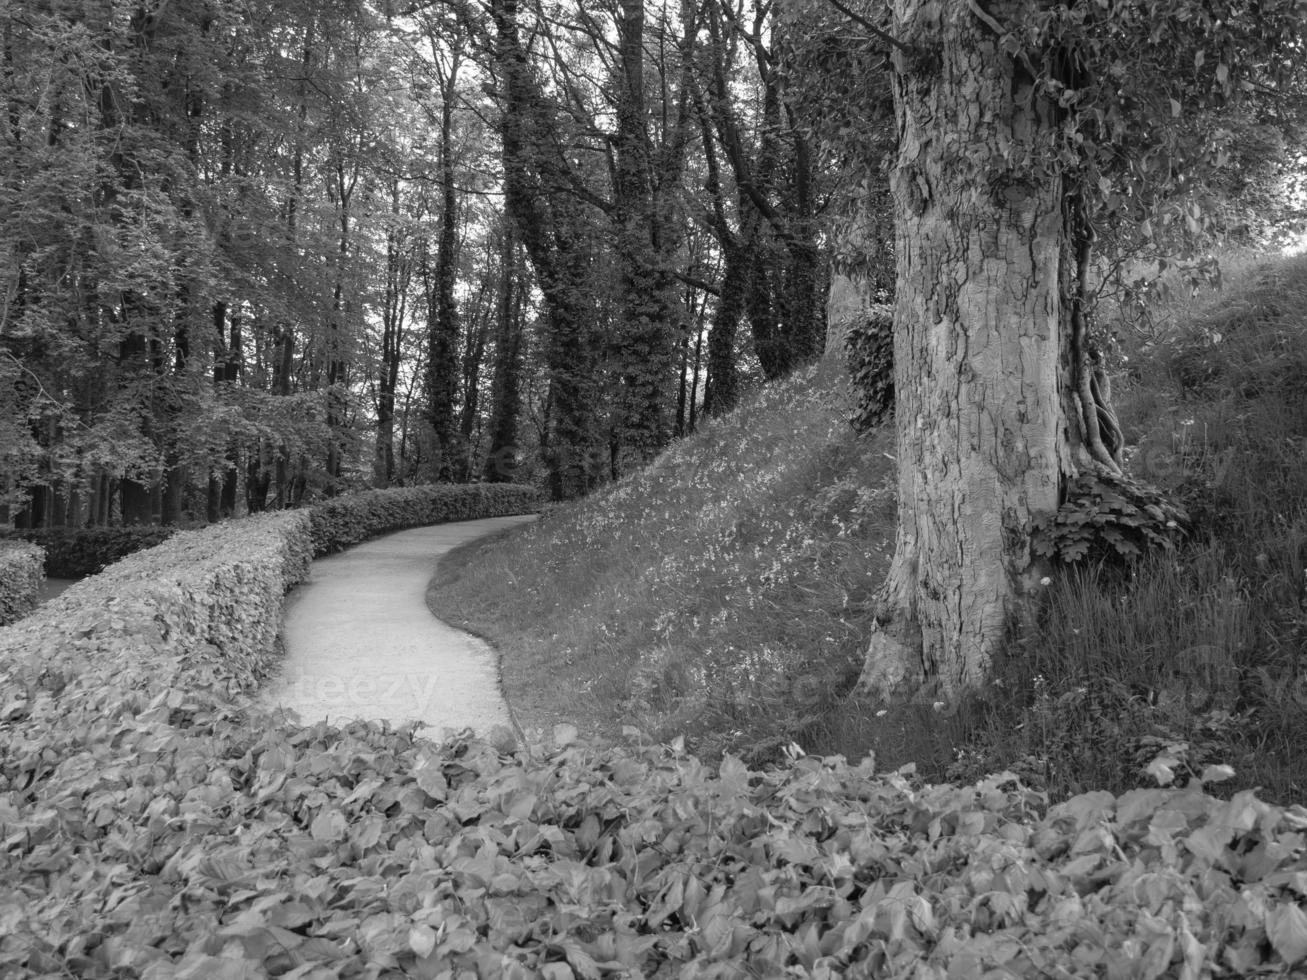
361, 643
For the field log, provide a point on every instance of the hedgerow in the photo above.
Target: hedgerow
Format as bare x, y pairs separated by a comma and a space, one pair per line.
213, 596
343, 521
205, 603
21, 573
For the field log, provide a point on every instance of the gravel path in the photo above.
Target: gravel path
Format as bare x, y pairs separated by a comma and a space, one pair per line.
361, 643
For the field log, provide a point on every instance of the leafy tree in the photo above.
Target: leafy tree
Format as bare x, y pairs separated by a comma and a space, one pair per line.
1026, 134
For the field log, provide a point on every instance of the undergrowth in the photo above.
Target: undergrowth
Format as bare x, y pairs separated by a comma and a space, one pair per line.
1198, 651
721, 594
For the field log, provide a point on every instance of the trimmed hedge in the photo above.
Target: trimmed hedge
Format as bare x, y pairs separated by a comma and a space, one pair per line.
21, 574
209, 600
344, 521
203, 607
76, 552
338, 523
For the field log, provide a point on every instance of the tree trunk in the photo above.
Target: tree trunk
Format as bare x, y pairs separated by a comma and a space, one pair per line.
399, 267
505, 394
474, 353
337, 357
549, 223
694, 378
283, 353
722, 391
442, 323
987, 432
647, 238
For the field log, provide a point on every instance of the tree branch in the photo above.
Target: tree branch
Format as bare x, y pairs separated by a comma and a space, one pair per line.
876, 31
696, 282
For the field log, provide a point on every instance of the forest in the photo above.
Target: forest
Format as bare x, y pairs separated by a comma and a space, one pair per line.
253, 252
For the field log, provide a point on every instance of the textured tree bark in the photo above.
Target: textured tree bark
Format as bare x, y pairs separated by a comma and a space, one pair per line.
505, 385
722, 391
443, 319
648, 161
985, 437
394, 312
550, 225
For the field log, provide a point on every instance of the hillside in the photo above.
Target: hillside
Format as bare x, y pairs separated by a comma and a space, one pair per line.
720, 594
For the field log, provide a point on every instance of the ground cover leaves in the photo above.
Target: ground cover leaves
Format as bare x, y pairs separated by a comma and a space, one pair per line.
165, 833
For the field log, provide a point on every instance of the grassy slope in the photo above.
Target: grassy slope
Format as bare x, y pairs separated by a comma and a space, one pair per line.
723, 593
1204, 649
718, 594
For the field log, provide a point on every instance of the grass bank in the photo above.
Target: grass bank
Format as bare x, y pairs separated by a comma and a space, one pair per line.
723, 594
1199, 654
1202, 652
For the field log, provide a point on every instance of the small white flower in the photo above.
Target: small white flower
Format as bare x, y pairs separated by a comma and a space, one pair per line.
882, 712
1045, 581
938, 706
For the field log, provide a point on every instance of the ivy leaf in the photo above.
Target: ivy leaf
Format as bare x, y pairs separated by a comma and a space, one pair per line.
582, 962
1162, 769
431, 780
1217, 774
422, 940
1286, 928
330, 825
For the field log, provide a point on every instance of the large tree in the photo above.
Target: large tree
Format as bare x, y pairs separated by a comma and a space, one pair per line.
1024, 132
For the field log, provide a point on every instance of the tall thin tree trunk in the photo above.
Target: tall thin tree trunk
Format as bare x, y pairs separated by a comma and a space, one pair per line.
505, 394
474, 353
694, 379
393, 314
548, 221
723, 383
337, 362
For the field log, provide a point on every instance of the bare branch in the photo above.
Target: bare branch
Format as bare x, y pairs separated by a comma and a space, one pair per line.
876, 31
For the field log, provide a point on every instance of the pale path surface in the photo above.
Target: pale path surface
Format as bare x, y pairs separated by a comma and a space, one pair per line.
361, 643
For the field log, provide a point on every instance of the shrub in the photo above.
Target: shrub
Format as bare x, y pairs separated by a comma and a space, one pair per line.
869, 347
1109, 518
343, 521
205, 603
76, 552
20, 579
